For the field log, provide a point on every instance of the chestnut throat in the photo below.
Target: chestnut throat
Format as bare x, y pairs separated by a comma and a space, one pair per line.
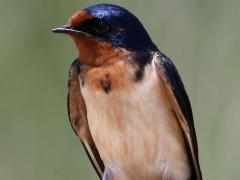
95, 52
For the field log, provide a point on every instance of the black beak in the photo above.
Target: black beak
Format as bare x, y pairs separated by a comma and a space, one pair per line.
66, 29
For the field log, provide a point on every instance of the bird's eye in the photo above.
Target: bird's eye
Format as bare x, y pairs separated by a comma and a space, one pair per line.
102, 26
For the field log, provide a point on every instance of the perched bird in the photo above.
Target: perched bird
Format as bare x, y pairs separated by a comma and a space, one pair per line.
126, 100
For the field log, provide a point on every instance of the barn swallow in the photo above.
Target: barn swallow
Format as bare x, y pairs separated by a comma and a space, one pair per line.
126, 100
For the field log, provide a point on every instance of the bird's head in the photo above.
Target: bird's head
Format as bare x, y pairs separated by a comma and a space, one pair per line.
103, 30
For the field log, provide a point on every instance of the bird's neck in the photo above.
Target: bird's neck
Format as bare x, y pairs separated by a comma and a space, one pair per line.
96, 52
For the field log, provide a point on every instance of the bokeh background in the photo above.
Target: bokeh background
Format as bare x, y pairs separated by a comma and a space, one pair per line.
36, 140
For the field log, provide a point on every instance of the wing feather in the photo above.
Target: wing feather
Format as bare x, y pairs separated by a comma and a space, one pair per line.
181, 104
78, 118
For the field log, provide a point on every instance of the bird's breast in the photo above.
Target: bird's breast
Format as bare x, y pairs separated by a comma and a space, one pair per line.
133, 124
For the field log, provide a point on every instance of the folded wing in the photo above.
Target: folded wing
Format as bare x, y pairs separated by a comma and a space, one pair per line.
78, 118
182, 107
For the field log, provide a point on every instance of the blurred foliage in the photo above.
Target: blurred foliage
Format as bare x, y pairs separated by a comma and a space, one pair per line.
36, 140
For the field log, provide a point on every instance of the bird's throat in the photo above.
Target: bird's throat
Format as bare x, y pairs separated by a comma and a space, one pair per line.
95, 52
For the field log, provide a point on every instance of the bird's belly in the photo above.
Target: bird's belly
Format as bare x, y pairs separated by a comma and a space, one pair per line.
136, 131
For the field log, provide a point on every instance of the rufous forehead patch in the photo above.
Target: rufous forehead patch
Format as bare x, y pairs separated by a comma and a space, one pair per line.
78, 17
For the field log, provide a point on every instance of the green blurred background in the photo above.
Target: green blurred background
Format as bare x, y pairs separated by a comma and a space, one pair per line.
36, 140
